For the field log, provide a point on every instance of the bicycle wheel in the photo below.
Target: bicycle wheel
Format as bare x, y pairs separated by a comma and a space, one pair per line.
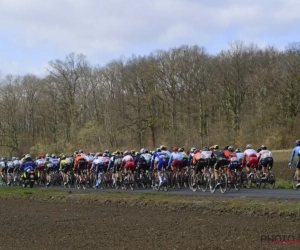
212, 183
249, 180
229, 182
193, 184
258, 180
101, 180
244, 180
165, 184
204, 182
271, 180
224, 183
77, 183
237, 181
174, 180
294, 181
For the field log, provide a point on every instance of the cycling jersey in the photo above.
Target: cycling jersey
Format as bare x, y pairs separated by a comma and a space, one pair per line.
250, 158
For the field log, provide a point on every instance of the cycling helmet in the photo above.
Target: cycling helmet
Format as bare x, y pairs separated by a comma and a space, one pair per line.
132, 152
63, 157
175, 149
3, 159
158, 150
47, 155
27, 156
181, 149
106, 154
80, 151
193, 149
117, 152
162, 147
142, 150
13, 158
258, 150
216, 147
263, 147
230, 148
75, 153
106, 151
249, 146
146, 151
205, 148
238, 150
226, 147
53, 156
297, 143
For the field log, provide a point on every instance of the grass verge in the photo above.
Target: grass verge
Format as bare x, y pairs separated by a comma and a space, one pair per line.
283, 184
163, 201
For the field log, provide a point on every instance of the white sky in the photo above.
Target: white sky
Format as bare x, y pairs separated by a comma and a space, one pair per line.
33, 32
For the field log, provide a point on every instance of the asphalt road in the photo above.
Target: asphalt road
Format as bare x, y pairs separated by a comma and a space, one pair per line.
243, 192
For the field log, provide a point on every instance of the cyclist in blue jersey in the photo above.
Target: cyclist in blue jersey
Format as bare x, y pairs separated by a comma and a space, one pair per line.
296, 151
159, 161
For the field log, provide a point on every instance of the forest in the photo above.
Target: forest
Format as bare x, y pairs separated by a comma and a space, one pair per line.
182, 97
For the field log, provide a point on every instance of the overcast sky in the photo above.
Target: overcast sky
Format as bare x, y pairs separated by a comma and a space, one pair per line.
33, 32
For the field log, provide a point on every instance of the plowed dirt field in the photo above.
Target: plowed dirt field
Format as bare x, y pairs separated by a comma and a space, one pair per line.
31, 224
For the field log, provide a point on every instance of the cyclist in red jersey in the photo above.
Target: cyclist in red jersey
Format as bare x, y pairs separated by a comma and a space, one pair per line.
250, 158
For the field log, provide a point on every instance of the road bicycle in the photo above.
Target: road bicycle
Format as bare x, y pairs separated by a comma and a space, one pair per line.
164, 185
267, 181
223, 182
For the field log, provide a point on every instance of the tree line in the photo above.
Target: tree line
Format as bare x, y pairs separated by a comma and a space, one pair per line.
183, 96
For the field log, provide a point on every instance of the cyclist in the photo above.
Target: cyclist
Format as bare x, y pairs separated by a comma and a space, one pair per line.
115, 163
185, 158
27, 165
10, 170
140, 163
55, 161
147, 157
250, 158
80, 164
206, 153
239, 155
159, 161
99, 165
234, 162
200, 160
3, 164
296, 151
65, 166
219, 159
176, 159
190, 156
265, 159
40, 163
127, 162
48, 165
17, 165
226, 151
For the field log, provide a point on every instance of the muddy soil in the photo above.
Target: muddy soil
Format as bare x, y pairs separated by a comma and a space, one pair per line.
26, 224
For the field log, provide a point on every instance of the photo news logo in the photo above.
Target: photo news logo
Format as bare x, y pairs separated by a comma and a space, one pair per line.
279, 239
